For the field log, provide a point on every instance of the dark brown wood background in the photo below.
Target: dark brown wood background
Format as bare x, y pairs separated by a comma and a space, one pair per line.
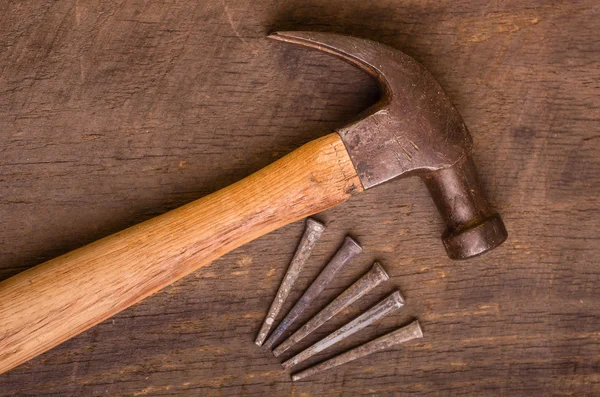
112, 112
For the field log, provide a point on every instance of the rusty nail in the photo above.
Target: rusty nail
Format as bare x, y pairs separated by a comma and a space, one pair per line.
380, 310
366, 283
312, 233
347, 251
401, 335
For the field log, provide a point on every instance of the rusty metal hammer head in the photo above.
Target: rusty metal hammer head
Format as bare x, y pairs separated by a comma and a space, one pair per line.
413, 130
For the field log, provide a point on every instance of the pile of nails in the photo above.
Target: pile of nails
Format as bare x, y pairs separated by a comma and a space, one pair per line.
366, 283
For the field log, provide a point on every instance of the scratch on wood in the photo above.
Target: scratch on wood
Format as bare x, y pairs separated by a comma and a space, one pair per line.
253, 50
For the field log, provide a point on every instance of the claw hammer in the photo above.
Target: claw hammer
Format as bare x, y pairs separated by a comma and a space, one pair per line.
414, 130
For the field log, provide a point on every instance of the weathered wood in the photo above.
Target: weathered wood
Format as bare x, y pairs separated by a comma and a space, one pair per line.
114, 112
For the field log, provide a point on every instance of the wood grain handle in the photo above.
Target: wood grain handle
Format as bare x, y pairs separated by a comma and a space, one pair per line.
50, 303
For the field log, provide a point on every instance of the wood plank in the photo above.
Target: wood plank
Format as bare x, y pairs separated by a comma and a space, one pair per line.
114, 112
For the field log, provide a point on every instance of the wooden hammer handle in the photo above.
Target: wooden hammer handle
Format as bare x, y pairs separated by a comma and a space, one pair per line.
50, 303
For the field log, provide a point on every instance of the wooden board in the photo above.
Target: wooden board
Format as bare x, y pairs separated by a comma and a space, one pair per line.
114, 112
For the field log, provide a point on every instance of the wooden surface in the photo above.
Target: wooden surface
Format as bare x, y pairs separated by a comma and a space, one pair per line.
114, 112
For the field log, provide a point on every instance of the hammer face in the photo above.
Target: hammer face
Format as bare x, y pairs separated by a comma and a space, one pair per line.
472, 227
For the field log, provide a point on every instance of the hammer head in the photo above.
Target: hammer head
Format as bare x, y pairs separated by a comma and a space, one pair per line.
413, 130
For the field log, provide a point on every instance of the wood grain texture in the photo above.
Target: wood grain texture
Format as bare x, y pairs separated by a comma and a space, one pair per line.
52, 302
114, 112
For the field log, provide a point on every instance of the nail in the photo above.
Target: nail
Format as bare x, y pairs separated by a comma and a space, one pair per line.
401, 335
380, 310
347, 251
312, 233
366, 283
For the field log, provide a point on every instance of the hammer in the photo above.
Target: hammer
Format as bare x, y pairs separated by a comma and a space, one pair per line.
414, 130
